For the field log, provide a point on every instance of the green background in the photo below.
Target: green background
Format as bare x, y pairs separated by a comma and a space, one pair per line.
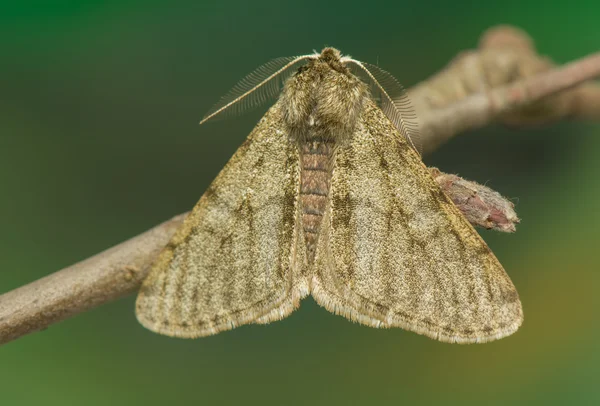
99, 105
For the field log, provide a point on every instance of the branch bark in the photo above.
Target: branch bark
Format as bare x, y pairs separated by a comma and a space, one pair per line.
504, 80
100, 279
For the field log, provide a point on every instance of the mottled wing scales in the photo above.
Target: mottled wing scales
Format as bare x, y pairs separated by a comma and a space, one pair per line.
397, 252
233, 260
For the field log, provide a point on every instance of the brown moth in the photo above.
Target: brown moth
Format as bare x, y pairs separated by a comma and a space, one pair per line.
328, 197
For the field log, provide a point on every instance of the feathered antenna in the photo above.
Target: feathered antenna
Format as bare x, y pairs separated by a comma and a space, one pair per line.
393, 101
258, 87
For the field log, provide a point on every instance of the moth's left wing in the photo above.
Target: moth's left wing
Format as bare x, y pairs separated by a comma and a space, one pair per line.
233, 261
395, 251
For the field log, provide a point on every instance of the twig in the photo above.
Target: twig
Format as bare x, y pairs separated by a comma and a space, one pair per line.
97, 280
504, 80
480, 109
515, 98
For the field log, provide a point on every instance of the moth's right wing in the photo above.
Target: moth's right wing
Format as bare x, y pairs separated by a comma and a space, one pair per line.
394, 251
234, 258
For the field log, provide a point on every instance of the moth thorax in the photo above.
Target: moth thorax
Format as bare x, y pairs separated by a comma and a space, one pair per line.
323, 102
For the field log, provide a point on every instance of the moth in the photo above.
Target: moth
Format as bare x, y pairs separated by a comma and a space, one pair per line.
328, 197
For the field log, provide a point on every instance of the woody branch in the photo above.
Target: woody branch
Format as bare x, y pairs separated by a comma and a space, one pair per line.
503, 80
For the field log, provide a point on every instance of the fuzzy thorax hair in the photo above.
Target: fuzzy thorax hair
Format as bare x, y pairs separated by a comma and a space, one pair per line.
323, 97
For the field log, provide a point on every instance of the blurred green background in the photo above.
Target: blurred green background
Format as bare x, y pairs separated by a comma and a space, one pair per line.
99, 105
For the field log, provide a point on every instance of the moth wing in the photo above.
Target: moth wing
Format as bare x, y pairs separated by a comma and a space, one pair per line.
396, 252
232, 261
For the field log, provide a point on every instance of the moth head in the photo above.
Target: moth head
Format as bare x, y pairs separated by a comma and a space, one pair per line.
323, 95
332, 57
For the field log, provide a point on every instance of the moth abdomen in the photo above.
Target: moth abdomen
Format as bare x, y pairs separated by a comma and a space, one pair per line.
315, 179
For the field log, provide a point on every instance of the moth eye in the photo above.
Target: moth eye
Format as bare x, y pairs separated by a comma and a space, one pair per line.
301, 70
